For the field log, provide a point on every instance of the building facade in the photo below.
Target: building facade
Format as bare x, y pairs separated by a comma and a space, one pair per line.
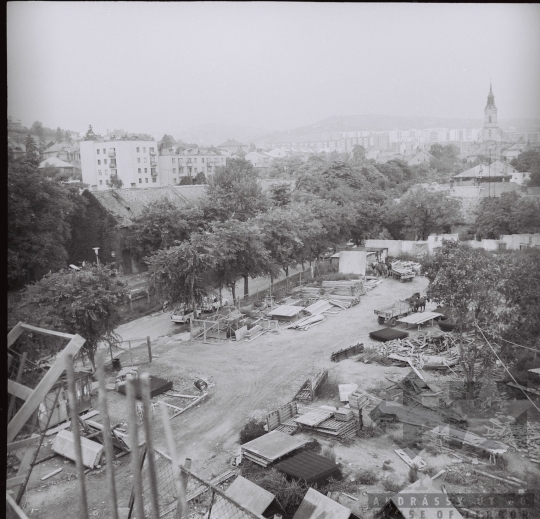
187, 163
135, 163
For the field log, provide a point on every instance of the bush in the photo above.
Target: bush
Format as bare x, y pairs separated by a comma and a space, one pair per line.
392, 486
253, 429
328, 452
370, 432
386, 466
413, 474
366, 477
455, 478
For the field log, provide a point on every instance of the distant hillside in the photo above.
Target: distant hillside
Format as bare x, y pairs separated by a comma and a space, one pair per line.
215, 134
322, 129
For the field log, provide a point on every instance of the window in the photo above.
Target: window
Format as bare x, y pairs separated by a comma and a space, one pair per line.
104, 151
154, 179
146, 181
106, 172
490, 118
144, 150
99, 171
137, 150
146, 170
152, 170
140, 180
101, 182
174, 181
97, 152
99, 162
104, 161
112, 150
181, 169
173, 160
174, 170
139, 160
139, 170
145, 160
151, 149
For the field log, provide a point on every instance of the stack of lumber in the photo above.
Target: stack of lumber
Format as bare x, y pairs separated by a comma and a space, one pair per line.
306, 322
420, 349
522, 437
337, 428
321, 306
361, 400
349, 287
410, 266
372, 283
343, 415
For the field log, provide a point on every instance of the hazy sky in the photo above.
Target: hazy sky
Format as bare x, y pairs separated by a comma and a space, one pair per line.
161, 66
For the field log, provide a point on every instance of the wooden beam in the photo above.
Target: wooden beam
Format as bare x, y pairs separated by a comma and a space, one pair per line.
15, 507
13, 399
22, 444
18, 390
43, 388
17, 480
44, 331
15, 333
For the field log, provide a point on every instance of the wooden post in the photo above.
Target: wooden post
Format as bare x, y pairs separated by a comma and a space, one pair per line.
300, 278
13, 398
107, 439
134, 446
185, 476
130, 304
83, 507
149, 348
147, 420
130, 354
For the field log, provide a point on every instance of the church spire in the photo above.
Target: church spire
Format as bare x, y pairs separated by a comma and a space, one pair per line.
491, 98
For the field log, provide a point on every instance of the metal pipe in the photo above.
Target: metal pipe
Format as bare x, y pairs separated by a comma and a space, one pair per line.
72, 401
107, 439
134, 446
147, 421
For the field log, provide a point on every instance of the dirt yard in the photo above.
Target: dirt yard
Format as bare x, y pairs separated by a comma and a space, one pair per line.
246, 378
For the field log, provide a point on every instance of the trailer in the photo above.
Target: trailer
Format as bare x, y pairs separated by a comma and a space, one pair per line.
402, 274
393, 313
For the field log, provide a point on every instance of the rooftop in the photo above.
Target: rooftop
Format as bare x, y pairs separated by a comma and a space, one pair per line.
308, 466
55, 162
317, 506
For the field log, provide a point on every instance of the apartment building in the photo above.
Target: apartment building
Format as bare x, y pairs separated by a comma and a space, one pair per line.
188, 163
133, 162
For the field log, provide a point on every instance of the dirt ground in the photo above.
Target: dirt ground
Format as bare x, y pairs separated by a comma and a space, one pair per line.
247, 378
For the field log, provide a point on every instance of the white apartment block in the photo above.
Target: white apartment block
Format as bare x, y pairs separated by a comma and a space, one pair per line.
135, 163
188, 163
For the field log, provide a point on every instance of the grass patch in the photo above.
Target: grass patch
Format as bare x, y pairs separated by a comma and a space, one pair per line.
392, 486
366, 477
370, 432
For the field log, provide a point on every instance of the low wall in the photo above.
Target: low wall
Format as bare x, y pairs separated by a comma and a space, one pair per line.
515, 241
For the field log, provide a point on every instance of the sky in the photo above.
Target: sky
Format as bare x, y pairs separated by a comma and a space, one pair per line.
155, 67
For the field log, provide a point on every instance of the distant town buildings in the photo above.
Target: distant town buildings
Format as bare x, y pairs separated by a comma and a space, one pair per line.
59, 165
232, 146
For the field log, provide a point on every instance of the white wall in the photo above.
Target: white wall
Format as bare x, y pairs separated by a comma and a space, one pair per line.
352, 262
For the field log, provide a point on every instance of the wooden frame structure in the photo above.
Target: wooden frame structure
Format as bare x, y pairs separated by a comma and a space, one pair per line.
32, 399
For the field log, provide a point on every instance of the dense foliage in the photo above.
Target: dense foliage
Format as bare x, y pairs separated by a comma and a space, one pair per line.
78, 302
529, 161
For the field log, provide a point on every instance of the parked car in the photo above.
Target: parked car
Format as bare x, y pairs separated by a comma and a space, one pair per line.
211, 303
182, 315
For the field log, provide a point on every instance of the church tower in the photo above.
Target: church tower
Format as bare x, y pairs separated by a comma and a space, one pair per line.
491, 130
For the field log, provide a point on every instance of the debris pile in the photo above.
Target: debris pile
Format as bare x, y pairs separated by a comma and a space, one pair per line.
521, 437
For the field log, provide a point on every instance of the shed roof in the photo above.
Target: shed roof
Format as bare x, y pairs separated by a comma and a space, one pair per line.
317, 506
422, 486
308, 466
274, 445
245, 493
191, 193
55, 162
127, 204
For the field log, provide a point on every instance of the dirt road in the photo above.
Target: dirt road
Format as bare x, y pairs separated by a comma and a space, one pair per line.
248, 377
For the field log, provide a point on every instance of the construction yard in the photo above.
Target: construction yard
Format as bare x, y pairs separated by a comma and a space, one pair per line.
252, 379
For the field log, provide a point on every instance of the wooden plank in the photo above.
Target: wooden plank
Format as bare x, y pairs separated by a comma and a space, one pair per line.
498, 478
22, 444
15, 507
13, 399
523, 388
190, 405
15, 333
43, 388
18, 390
51, 474
30, 328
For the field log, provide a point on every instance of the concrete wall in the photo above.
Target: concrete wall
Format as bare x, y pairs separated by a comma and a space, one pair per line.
394, 246
514, 241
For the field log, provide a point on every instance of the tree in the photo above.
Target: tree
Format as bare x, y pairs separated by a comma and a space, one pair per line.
167, 142
284, 167
161, 225
67, 137
280, 194
116, 182
186, 181
32, 152
182, 274
234, 192
529, 161
38, 229
467, 281
424, 211
38, 130
241, 252
59, 136
359, 153
200, 178
446, 159
508, 214
79, 302
90, 135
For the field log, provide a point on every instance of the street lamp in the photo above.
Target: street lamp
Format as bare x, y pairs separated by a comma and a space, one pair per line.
96, 250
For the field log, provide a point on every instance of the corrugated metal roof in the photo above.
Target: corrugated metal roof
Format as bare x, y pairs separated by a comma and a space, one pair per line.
317, 506
308, 466
274, 445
